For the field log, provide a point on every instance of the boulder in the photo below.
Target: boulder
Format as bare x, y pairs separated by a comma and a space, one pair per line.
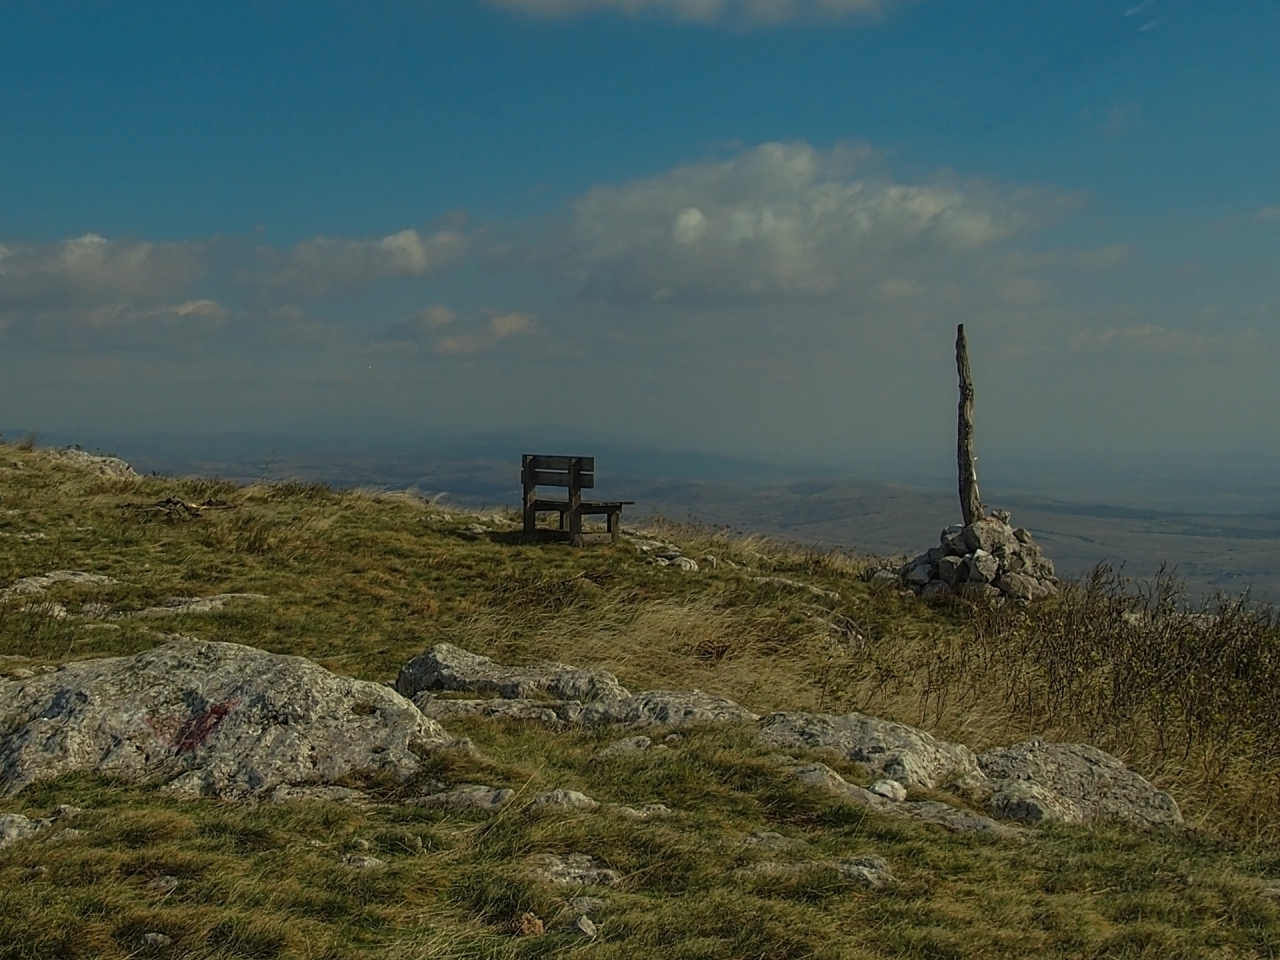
446, 667
1077, 784
112, 467
207, 719
890, 750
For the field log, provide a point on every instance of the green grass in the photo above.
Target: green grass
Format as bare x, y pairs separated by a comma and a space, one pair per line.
361, 582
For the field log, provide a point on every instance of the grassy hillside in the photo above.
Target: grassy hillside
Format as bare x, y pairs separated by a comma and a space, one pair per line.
362, 581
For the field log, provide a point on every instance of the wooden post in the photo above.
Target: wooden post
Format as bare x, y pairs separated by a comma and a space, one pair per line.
970, 502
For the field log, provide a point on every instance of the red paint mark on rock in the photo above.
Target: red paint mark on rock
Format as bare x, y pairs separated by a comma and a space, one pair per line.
185, 735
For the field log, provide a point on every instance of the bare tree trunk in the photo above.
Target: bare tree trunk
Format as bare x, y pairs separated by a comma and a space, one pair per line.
970, 502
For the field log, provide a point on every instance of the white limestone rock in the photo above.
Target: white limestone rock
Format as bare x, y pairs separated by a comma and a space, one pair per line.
446, 667
1075, 783
893, 751
207, 719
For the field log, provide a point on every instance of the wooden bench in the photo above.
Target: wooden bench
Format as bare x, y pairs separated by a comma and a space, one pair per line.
576, 474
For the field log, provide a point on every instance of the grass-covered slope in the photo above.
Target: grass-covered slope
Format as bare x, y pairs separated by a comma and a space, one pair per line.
361, 582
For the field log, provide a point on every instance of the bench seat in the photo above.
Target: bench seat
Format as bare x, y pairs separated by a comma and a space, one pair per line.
574, 473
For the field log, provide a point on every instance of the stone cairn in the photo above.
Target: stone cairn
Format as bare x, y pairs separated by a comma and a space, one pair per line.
984, 555
987, 557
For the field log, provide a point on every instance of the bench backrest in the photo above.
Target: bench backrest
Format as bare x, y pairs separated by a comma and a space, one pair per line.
576, 473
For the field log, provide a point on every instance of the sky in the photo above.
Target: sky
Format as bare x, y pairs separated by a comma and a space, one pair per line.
742, 227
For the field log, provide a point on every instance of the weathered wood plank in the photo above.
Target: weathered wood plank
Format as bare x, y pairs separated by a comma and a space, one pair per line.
557, 478
538, 461
970, 502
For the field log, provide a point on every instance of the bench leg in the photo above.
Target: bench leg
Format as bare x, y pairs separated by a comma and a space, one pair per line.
614, 524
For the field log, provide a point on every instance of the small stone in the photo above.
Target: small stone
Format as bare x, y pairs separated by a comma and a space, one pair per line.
871, 870
563, 800
586, 906
584, 926
768, 840
685, 564
884, 576
163, 884
574, 868
1022, 535
671, 739
619, 748
468, 796
890, 790
358, 862
156, 941
647, 812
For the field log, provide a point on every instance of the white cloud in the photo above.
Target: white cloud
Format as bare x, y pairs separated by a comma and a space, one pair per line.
706, 11
93, 272
777, 220
445, 332
323, 266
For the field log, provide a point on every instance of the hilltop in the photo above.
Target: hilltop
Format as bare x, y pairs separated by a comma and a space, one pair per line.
701, 841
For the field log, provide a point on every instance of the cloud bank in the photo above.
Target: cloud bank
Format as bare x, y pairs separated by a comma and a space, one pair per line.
324, 266
777, 221
93, 271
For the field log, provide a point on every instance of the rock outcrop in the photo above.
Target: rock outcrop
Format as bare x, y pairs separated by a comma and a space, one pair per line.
1027, 784
446, 667
1040, 782
207, 719
894, 751
987, 557
591, 698
111, 467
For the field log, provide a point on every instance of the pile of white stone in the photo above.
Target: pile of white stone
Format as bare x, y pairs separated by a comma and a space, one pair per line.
987, 557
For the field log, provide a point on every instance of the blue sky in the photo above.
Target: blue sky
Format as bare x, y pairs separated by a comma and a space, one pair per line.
741, 226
